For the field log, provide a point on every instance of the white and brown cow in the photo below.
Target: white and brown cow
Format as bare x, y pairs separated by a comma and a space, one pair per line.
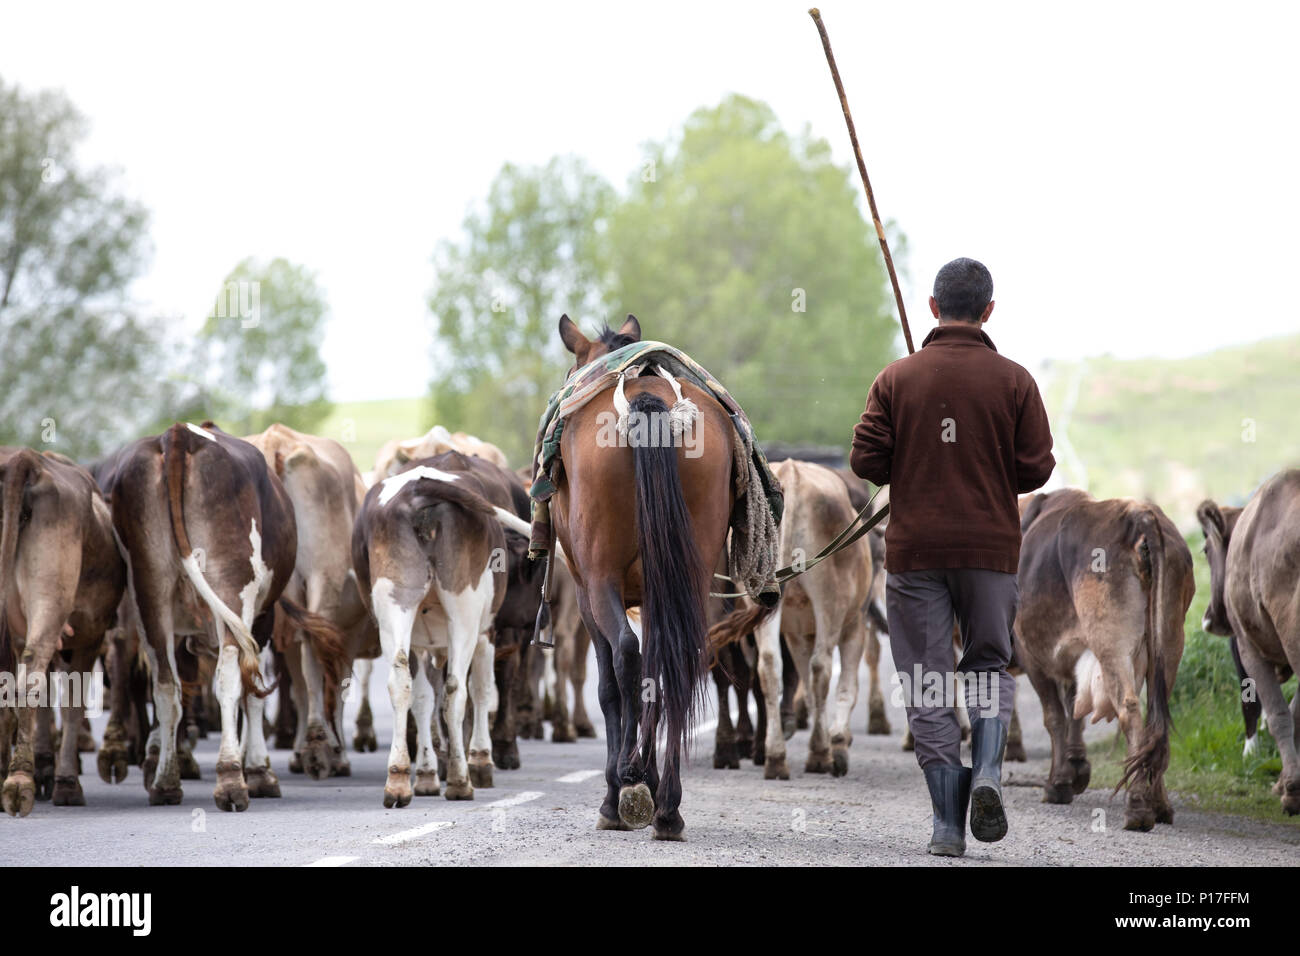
211, 542
1254, 557
61, 578
326, 490
1104, 588
430, 557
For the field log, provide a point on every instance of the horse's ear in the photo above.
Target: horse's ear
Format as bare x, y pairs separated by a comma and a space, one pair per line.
631, 328
572, 336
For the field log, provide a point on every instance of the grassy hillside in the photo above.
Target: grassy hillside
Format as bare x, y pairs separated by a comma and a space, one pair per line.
1179, 430
363, 427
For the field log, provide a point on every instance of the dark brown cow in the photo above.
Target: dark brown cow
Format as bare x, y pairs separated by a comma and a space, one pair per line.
1255, 595
61, 578
1104, 588
211, 543
429, 554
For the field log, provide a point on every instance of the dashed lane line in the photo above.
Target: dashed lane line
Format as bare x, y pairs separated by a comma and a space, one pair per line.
523, 797
405, 836
578, 776
333, 861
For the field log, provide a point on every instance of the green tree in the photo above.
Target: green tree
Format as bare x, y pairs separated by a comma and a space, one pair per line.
262, 348
530, 253
80, 369
730, 228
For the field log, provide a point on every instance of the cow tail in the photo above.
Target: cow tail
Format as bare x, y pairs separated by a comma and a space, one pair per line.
1152, 756
327, 643
23, 467
176, 453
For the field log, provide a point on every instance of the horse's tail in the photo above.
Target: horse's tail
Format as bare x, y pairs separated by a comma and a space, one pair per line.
673, 622
1152, 756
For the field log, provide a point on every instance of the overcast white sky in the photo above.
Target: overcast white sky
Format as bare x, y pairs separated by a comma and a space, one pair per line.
1128, 171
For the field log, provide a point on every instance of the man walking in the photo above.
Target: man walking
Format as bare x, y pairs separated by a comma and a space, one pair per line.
957, 432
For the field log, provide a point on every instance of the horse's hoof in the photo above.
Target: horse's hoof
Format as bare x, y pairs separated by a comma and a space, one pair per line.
1058, 793
635, 805
461, 790
605, 823
563, 734
776, 768
480, 775
1082, 774
426, 783
68, 793
670, 829
839, 761
262, 782
819, 761
18, 795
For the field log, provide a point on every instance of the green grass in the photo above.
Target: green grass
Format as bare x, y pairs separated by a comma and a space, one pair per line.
363, 427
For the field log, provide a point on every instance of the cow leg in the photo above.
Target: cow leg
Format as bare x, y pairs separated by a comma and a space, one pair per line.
1120, 683
768, 638
162, 771
261, 779
1015, 738
395, 624
1280, 724
481, 681
510, 685
742, 679
877, 719
725, 754
424, 699
294, 697
318, 755
1076, 751
1060, 777
18, 793
846, 694
43, 740
231, 792
363, 740
113, 760
67, 788
563, 730
791, 696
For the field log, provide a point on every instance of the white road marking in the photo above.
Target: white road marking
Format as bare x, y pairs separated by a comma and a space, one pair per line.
412, 834
514, 801
333, 861
578, 776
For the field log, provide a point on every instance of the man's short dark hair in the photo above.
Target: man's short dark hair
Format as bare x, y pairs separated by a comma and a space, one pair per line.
963, 288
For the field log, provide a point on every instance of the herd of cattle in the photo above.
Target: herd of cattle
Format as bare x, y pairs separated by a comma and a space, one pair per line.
205, 571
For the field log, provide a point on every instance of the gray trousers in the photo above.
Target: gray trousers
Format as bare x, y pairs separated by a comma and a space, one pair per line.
921, 606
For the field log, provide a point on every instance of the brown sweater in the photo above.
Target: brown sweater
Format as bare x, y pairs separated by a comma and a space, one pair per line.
957, 431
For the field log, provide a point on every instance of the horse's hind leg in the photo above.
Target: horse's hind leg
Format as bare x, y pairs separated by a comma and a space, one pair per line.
611, 706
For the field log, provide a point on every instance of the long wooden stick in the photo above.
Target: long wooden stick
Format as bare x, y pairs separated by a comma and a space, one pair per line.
862, 169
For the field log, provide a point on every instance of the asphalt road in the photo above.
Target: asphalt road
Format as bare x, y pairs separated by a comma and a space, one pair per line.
545, 813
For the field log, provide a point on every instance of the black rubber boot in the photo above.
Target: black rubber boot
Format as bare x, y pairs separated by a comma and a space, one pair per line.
988, 740
949, 793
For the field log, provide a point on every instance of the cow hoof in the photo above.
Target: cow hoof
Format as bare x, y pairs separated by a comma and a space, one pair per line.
819, 761
113, 763
584, 728
506, 755
167, 796
316, 753
670, 828
44, 776
340, 766
262, 782
745, 747
18, 795
462, 790
1058, 793
1142, 820
1082, 774
480, 775
1165, 814
788, 726
397, 790
426, 783
1015, 752
295, 762
563, 734
364, 741
801, 715
189, 767
635, 805
839, 761
85, 741
760, 753
909, 744
1291, 801
605, 823
230, 793
726, 756
878, 723
776, 768
150, 767
68, 793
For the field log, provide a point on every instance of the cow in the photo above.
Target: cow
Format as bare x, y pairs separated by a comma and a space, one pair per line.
572, 644
1104, 588
1254, 558
61, 579
326, 491
429, 553
211, 543
395, 455
820, 610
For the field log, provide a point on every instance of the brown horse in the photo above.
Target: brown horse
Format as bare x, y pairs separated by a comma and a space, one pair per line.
642, 525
